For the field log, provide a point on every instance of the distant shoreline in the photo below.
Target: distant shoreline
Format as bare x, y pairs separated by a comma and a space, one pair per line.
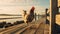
10, 18
9, 15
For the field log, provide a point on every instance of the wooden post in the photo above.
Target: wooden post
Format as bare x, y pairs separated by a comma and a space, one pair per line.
35, 17
53, 12
38, 16
46, 12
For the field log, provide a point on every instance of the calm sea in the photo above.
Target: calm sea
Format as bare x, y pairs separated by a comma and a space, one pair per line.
11, 19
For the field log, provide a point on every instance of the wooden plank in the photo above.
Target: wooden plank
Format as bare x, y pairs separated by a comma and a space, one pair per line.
58, 3
23, 29
13, 28
58, 19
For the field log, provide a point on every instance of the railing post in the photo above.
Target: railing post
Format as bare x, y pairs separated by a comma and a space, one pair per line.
53, 12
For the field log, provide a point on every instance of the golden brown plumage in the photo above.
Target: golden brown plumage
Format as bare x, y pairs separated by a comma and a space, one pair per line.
29, 17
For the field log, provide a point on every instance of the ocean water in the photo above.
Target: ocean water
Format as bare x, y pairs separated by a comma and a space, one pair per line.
11, 19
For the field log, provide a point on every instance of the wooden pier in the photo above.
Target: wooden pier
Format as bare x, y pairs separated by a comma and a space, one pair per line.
36, 27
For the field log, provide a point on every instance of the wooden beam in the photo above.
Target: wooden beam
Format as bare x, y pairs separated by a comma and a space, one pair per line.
58, 3
53, 11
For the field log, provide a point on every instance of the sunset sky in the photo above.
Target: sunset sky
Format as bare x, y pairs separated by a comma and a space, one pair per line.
17, 6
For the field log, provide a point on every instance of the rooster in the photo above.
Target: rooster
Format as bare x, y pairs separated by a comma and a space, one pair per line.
29, 17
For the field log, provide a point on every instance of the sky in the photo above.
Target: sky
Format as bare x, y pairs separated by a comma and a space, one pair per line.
17, 6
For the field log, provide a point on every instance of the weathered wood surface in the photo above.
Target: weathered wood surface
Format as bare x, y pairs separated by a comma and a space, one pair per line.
58, 3
58, 19
36, 27
10, 29
42, 28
